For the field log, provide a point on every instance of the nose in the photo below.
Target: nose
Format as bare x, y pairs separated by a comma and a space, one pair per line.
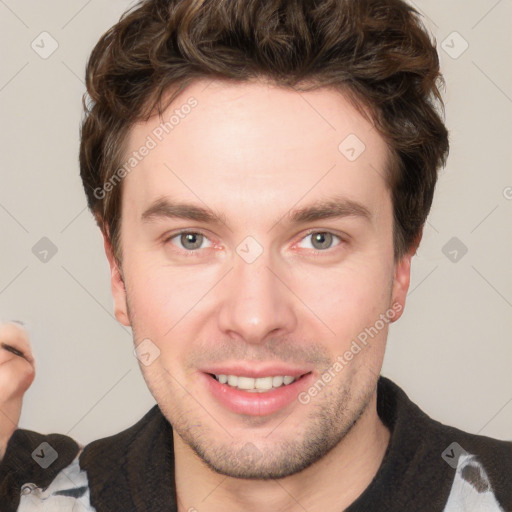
256, 301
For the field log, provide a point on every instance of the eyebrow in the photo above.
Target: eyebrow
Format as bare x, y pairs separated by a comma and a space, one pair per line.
332, 208
164, 208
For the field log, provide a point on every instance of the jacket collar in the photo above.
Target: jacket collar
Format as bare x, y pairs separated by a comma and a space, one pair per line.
133, 470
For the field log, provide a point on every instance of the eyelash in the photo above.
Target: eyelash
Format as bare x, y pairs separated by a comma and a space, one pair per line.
315, 252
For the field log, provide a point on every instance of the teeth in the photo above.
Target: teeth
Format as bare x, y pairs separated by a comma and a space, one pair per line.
259, 385
277, 382
264, 383
288, 380
245, 383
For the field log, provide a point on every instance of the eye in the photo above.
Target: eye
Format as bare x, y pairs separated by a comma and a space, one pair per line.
321, 240
190, 241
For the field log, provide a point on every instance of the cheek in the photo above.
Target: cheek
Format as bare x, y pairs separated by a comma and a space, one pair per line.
161, 295
349, 298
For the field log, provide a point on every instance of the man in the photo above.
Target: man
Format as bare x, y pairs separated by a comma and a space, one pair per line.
295, 146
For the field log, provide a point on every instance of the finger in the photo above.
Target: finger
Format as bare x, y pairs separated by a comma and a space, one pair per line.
15, 378
13, 350
15, 336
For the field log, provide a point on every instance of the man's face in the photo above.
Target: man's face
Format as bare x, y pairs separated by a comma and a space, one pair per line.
262, 293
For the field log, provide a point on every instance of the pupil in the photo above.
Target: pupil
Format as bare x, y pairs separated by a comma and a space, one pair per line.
189, 238
321, 238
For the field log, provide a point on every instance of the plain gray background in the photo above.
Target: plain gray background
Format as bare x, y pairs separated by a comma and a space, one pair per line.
451, 351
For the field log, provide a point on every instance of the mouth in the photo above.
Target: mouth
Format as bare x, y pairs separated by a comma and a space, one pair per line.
260, 394
256, 385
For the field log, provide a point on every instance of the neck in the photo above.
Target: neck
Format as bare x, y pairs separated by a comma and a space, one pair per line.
331, 484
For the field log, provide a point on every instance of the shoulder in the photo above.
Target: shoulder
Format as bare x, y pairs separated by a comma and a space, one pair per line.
482, 470
41, 469
68, 492
412, 423
113, 449
114, 465
468, 471
54, 470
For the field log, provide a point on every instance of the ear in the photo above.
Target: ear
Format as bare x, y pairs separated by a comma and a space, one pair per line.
402, 279
117, 285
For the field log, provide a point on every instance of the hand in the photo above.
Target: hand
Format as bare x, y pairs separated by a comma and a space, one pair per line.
17, 372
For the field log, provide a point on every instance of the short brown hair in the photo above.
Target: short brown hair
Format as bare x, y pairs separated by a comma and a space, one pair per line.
375, 51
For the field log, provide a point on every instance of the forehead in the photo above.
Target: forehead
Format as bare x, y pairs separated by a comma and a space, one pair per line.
253, 146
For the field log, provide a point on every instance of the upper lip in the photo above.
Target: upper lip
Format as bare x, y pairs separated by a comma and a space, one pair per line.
256, 370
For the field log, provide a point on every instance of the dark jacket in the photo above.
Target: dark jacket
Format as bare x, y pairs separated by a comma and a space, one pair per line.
428, 466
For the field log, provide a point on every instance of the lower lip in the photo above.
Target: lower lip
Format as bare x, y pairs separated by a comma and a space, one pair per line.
257, 404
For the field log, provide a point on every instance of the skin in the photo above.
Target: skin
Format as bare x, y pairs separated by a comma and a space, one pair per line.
17, 372
253, 153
